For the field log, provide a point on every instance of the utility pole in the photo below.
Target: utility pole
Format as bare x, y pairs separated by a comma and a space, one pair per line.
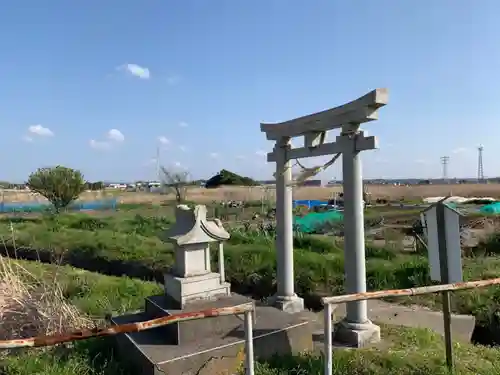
480, 171
158, 163
444, 162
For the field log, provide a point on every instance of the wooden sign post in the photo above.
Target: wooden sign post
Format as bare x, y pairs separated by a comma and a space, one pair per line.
442, 228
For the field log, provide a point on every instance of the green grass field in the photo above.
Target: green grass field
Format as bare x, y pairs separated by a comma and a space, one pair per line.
126, 243
405, 351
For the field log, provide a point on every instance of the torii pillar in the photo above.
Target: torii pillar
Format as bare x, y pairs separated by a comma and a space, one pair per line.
356, 329
285, 299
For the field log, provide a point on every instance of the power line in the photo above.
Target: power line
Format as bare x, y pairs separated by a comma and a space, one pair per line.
444, 162
158, 163
480, 170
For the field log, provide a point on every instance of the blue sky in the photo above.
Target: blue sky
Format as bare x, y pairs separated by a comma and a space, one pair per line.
204, 74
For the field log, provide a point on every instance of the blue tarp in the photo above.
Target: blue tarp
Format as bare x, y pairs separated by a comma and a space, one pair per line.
76, 206
492, 208
309, 203
315, 220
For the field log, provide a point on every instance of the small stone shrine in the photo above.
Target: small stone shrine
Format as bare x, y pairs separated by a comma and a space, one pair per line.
191, 277
212, 345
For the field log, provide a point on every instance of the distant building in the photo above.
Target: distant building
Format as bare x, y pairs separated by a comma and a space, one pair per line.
117, 186
154, 184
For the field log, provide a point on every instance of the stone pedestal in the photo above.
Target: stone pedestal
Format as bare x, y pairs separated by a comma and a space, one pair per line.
210, 346
289, 304
355, 334
182, 290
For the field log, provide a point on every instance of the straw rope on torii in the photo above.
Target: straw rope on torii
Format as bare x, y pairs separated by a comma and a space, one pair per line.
309, 172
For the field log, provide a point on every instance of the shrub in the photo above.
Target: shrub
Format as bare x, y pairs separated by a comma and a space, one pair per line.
225, 177
60, 185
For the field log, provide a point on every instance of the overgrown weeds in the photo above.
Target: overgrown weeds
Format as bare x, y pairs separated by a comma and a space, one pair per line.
403, 352
129, 245
31, 307
251, 268
38, 299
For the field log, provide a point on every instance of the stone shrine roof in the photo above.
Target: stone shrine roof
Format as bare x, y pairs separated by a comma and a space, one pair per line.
192, 227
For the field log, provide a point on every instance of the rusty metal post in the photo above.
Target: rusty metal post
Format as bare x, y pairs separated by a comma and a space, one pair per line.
249, 357
328, 339
222, 271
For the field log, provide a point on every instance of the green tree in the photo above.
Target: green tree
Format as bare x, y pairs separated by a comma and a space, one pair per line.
60, 185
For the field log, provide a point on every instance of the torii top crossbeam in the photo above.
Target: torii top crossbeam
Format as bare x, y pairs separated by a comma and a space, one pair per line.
358, 111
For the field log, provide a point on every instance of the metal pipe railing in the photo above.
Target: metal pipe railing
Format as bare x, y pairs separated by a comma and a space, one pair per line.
83, 334
328, 301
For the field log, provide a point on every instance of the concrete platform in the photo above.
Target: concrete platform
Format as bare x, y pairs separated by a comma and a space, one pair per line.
152, 352
192, 330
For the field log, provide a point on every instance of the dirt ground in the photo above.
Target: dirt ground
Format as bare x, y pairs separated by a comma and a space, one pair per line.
416, 192
202, 195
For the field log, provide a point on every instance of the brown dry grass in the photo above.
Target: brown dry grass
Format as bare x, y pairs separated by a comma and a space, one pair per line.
376, 191
201, 195
422, 191
31, 307
415, 192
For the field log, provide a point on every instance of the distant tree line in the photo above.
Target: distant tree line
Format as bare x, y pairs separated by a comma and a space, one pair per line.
8, 185
98, 185
88, 185
225, 177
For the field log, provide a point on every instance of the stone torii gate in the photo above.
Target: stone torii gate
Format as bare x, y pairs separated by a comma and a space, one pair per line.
356, 329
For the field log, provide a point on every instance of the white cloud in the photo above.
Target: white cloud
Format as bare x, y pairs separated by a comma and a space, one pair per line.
40, 131
99, 145
261, 153
136, 70
177, 163
27, 138
182, 148
116, 135
150, 162
173, 79
214, 155
163, 140
183, 124
459, 150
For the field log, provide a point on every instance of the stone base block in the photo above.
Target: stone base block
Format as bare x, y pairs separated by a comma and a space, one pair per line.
151, 353
287, 304
356, 335
189, 289
195, 330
